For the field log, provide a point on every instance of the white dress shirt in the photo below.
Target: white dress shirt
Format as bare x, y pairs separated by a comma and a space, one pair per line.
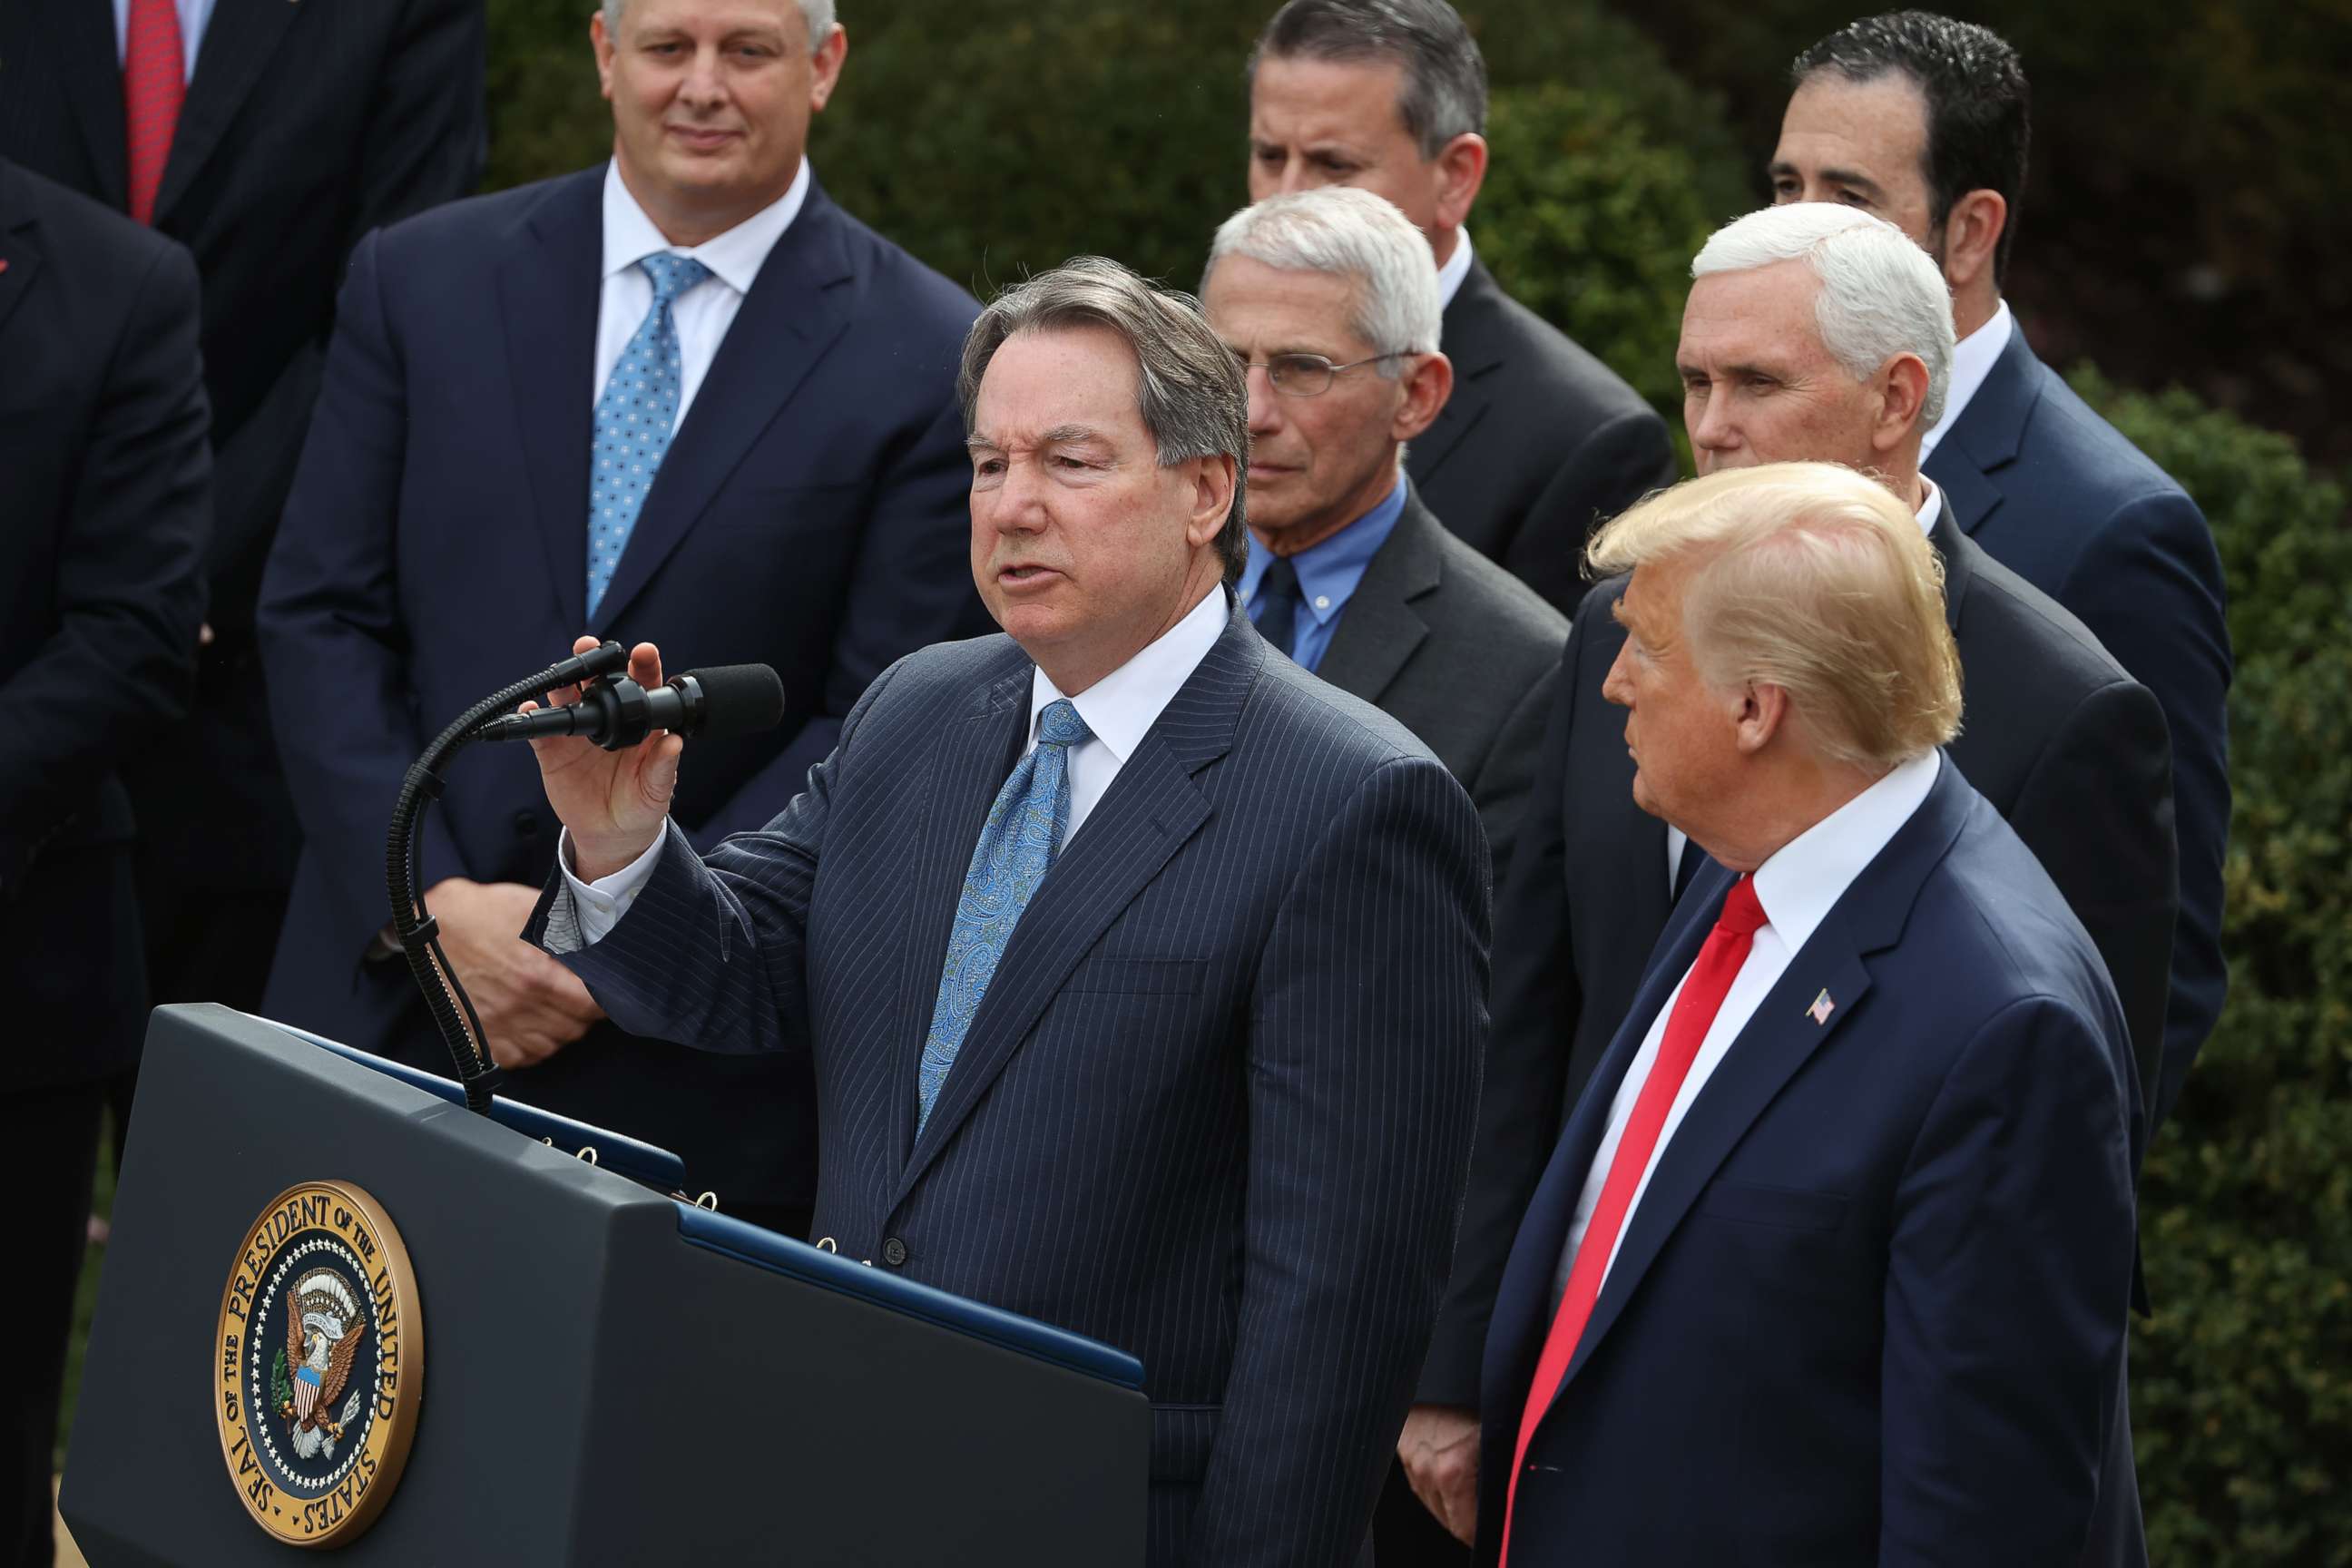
1119, 708
1798, 886
703, 313
1456, 267
1973, 358
194, 15
1929, 510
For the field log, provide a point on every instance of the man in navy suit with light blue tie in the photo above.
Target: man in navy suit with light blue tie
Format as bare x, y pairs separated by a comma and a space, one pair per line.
1832, 1264
1142, 974
1922, 121
681, 394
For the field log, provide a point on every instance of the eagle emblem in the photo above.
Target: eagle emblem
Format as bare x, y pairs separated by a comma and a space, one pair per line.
322, 1338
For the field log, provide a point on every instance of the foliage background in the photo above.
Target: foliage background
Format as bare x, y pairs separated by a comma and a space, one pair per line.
2182, 226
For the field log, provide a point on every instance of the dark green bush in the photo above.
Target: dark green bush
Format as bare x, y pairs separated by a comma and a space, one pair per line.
2242, 1385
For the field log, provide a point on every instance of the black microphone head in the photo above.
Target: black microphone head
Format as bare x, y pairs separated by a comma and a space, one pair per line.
738, 699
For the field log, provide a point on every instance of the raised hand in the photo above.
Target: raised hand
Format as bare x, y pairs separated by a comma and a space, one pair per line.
614, 803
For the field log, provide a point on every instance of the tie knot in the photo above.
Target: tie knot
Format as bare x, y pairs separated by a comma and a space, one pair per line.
1743, 912
1280, 580
1059, 725
672, 275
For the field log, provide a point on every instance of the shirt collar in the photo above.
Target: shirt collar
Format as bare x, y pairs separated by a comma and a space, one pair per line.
1932, 508
1120, 707
734, 258
1456, 267
1330, 570
1973, 358
1807, 876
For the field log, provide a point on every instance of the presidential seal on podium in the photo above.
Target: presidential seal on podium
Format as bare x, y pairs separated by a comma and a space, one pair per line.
319, 1365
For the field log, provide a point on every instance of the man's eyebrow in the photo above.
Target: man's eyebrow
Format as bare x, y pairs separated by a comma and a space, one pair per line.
1069, 436
977, 442
1853, 177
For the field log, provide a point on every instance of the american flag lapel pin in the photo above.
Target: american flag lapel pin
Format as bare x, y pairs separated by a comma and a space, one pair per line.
1820, 1009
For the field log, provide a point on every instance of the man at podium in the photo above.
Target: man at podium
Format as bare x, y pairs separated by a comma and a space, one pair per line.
1141, 976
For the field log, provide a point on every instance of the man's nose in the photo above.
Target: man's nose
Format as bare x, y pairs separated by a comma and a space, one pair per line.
1296, 176
703, 83
1618, 687
1711, 429
1264, 411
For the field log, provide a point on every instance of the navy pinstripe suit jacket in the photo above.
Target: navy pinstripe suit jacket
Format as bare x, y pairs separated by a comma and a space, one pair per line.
1215, 1108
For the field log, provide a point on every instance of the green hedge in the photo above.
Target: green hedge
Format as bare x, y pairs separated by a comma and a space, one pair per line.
2242, 1383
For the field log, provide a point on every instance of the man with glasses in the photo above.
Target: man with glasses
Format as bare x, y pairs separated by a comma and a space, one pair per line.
1329, 297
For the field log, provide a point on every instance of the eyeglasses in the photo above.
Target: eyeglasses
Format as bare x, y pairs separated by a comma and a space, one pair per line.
1308, 375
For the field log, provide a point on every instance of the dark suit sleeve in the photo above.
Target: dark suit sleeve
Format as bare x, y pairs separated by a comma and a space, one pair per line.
1501, 789
330, 623
1615, 466
129, 585
1527, 1060
2008, 1269
423, 146
911, 587
1368, 1026
2150, 589
2097, 812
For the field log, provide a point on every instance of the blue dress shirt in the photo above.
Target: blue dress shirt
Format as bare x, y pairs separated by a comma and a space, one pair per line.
1327, 575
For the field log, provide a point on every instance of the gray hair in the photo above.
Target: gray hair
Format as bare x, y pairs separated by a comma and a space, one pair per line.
1881, 295
1445, 93
817, 14
1190, 389
1347, 233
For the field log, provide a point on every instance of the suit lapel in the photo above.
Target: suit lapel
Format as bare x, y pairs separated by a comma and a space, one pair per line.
1988, 435
1959, 553
1149, 812
549, 281
83, 35
970, 762
20, 258
238, 41
1474, 351
1381, 630
798, 306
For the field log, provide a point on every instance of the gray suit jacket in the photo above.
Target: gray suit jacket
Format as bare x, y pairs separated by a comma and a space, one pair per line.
1460, 653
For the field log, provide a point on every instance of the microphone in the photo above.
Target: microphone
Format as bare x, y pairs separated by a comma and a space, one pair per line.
616, 712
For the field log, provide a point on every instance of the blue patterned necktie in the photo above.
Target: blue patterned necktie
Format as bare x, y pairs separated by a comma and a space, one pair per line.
632, 421
1016, 849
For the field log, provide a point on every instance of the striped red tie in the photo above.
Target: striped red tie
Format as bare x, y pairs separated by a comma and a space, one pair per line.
155, 80
1704, 989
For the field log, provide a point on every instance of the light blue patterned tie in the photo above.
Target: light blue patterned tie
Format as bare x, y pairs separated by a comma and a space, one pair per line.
632, 421
1016, 849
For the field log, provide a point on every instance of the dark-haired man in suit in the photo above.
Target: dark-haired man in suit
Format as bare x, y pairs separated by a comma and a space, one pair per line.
1122, 912
678, 393
101, 583
1540, 440
1329, 299
266, 137
1924, 121
2063, 744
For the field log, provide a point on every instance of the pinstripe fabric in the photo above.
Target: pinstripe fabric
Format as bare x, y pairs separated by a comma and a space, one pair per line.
1216, 1105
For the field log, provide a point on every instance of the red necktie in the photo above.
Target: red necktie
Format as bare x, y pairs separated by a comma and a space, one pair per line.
155, 80
1703, 991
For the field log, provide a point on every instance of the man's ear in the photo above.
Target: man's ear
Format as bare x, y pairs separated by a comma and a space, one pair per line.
1764, 711
604, 46
1973, 232
827, 62
1461, 168
1426, 383
1214, 479
1902, 402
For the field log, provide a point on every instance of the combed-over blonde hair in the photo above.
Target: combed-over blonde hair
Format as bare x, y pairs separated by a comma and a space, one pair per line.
1813, 578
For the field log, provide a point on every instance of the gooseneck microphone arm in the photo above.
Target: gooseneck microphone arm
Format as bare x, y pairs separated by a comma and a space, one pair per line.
412, 923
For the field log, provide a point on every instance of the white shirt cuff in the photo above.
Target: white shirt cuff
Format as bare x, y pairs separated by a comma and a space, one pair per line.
603, 902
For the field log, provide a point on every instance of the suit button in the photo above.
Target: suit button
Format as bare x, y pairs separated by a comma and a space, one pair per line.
526, 824
894, 1252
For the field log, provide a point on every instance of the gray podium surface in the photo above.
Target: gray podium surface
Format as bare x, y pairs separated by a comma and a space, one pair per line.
599, 1386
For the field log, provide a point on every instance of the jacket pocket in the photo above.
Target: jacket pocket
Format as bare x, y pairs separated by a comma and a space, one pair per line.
1789, 1208
1139, 976
1181, 1439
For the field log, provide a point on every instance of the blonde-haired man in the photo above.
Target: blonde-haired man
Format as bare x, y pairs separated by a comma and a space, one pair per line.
1832, 1263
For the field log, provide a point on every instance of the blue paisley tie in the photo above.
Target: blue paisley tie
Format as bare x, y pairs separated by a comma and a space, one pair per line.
632, 421
1016, 849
